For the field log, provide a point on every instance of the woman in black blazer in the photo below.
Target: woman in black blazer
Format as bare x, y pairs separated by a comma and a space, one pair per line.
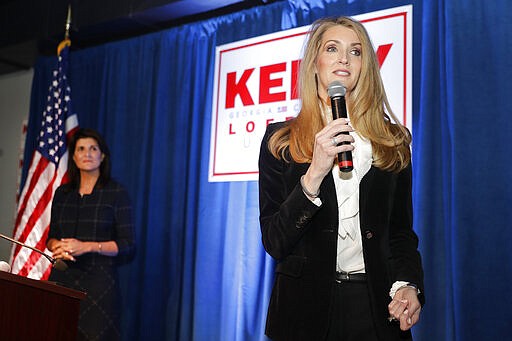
348, 266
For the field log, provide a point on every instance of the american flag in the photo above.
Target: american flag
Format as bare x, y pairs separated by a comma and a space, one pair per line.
48, 170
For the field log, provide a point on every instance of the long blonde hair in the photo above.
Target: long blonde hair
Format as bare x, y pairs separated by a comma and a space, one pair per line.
370, 112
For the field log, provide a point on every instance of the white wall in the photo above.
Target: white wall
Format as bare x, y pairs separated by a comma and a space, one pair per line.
14, 107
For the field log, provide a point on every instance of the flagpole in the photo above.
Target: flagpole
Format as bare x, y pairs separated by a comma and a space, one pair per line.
68, 23
66, 41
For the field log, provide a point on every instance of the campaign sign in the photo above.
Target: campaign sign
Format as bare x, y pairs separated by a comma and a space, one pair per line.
255, 85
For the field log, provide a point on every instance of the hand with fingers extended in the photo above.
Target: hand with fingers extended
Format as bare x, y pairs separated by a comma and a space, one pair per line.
405, 307
75, 247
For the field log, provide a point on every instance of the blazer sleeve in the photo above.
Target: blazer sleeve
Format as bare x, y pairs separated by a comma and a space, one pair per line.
403, 240
285, 211
55, 231
124, 227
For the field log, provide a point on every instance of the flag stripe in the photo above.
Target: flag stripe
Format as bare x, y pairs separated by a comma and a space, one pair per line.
34, 174
31, 261
21, 199
37, 204
42, 203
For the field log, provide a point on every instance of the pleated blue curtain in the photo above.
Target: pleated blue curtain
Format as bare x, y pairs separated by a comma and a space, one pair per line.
200, 272
462, 152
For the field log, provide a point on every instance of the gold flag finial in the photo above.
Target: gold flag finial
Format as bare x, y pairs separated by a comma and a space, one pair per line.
66, 41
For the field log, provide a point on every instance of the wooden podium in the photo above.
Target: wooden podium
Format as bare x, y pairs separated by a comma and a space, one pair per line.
37, 310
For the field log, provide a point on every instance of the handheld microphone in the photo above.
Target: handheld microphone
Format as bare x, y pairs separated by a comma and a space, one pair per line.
58, 264
336, 92
4, 266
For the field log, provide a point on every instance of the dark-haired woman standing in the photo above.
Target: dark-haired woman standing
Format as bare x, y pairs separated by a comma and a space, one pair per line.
91, 227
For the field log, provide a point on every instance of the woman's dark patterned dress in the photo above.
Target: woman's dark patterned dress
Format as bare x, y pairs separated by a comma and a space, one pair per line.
103, 215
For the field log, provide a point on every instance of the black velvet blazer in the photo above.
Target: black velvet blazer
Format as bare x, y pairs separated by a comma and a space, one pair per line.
302, 238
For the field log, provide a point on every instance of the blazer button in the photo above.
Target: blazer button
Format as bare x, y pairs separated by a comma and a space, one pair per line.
368, 234
302, 220
300, 223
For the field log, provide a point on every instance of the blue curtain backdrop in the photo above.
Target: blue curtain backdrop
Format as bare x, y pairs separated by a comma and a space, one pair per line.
200, 272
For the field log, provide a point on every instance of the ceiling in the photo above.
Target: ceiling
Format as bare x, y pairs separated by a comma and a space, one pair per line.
29, 28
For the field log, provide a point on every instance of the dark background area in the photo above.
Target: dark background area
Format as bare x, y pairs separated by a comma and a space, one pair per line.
29, 28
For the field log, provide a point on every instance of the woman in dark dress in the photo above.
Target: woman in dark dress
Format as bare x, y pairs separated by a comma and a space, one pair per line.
91, 227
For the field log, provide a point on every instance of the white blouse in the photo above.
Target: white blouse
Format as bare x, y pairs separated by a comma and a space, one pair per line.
350, 247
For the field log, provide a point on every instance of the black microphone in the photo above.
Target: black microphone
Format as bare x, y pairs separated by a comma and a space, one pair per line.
58, 264
337, 91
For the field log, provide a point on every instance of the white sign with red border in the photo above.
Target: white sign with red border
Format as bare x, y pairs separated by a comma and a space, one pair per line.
255, 85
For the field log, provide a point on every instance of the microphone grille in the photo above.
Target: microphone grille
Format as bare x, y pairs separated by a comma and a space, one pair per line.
336, 89
4, 266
